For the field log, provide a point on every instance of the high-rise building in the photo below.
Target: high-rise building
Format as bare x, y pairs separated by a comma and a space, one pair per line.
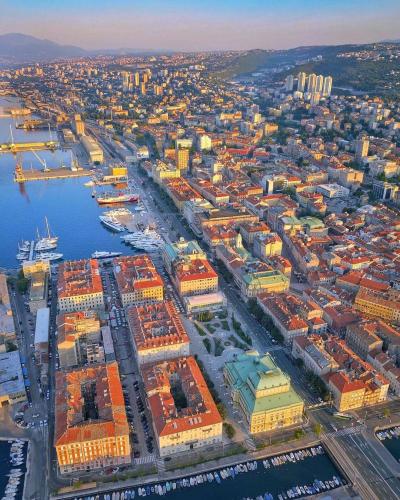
137, 79
362, 146
311, 82
315, 98
289, 83
319, 83
143, 88
327, 88
182, 158
301, 82
126, 80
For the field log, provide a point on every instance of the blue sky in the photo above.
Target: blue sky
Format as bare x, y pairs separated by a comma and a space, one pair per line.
204, 24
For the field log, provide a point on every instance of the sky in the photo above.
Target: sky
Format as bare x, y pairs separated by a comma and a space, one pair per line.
202, 24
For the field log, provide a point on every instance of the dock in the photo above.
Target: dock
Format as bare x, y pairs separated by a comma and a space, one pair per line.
33, 124
50, 173
11, 147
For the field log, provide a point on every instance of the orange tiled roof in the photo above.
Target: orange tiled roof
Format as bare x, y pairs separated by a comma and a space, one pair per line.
79, 277
200, 411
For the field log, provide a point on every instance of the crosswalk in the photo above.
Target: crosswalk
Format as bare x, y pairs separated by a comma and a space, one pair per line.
250, 444
347, 431
147, 459
160, 465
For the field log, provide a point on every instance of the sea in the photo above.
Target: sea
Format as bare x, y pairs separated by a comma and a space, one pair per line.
6, 467
67, 203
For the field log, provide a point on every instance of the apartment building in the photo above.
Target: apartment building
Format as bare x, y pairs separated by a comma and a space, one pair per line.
184, 414
157, 332
137, 280
79, 286
91, 428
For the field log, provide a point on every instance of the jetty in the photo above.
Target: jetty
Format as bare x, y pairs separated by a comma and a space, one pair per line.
21, 175
33, 125
16, 147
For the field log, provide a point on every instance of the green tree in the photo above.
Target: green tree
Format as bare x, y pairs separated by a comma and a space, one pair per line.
317, 429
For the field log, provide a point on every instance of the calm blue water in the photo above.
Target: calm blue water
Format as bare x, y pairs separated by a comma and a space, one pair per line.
6, 466
67, 203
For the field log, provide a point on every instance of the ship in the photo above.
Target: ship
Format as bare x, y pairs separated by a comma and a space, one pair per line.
119, 197
49, 242
105, 255
111, 223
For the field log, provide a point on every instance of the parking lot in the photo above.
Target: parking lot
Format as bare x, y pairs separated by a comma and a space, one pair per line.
142, 439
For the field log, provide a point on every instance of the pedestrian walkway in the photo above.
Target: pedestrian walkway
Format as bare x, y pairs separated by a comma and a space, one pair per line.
147, 459
346, 431
250, 443
160, 465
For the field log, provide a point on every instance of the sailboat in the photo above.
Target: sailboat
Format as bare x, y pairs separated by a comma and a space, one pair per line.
48, 242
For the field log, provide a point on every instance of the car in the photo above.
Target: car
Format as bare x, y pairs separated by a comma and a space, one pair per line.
35, 415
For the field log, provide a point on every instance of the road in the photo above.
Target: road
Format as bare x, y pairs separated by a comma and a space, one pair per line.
37, 484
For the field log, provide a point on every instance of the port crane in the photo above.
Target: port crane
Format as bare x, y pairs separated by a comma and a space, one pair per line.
43, 162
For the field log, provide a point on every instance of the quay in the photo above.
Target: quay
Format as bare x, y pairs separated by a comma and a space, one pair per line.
50, 173
33, 125
9, 147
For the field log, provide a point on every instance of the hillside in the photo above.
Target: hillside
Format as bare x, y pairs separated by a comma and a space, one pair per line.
17, 48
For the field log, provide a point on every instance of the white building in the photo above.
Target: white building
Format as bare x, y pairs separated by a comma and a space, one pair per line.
333, 190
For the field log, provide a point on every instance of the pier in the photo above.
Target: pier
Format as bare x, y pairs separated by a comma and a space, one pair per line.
33, 125
10, 147
21, 175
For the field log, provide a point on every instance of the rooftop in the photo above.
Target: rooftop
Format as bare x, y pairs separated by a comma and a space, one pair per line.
79, 277
178, 396
156, 325
89, 405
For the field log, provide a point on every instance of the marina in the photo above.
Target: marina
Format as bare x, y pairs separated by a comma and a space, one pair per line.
73, 212
298, 474
12, 468
390, 438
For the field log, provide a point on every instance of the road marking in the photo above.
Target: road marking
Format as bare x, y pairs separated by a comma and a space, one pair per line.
374, 467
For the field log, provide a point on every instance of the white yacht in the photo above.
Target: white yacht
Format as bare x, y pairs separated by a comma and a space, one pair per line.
148, 240
111, 223
52, 256
105, 255
48, 242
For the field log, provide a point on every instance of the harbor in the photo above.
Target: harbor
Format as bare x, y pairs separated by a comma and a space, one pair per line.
297, 474
13, 455
390, 438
